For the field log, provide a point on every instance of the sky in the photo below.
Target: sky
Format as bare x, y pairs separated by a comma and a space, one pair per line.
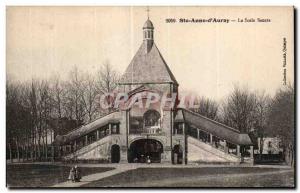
206, 58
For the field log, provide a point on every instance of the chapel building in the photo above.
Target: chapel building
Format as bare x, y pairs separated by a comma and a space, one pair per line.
163, 134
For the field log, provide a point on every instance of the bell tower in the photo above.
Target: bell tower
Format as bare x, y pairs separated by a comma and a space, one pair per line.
148, 30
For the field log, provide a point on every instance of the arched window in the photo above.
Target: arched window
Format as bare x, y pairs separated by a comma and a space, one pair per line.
151, 118
115, 129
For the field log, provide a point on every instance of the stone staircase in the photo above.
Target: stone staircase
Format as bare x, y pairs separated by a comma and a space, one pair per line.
201, 152
98, 150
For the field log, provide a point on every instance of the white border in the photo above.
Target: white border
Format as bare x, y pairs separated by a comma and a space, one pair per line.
3, 5
145, 2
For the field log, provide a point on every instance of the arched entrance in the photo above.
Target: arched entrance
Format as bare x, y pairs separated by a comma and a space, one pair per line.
115, 153
140, 149
177, 154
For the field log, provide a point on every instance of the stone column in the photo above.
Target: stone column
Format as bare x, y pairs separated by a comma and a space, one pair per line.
166, 156
211, 138
198, 134
123, 154
86, 140
251, 155
109, 128
226, 146
75, 146
251, 152
97, 135
238, 150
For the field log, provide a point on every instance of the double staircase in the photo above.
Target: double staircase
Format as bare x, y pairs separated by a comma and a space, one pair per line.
198, 151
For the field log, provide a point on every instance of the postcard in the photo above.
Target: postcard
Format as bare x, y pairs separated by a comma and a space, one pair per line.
154, 96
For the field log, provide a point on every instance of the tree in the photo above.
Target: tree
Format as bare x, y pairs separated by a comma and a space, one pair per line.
12, 125
88, 96
281, 120
41, 107
207, 108
106, 81
57, 96
45, 108
261, 111
239, 110
27, 125
74, 107
17, 119
107, 78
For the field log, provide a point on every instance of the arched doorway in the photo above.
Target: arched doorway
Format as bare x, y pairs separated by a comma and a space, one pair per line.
177, 154
115, 153
140, 149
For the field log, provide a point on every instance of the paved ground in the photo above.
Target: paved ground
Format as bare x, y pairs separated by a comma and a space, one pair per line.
267, 179
220, 176
43, 175
153, 175
95, 177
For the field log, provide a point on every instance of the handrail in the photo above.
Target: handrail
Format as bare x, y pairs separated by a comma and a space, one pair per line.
149, 130
91, 122
216, 122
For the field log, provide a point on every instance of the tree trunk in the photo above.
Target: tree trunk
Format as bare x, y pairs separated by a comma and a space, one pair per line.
260, 148
31, 147
292, 156
18, 151
46, 150
35, 148
39, 148
26, 147
31, 152
43, 147
289, 157
26, 152
10, 153
52, 152
51, 139
23, 153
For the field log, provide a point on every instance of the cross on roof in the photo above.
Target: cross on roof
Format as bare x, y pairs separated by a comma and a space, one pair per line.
148, 10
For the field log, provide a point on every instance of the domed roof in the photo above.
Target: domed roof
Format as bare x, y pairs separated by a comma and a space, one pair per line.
148, 24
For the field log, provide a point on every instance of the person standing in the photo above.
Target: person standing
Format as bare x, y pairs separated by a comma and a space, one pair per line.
77, 174
72, 174
148, 160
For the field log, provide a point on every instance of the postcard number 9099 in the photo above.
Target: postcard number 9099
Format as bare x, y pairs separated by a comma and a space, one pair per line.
170, 20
